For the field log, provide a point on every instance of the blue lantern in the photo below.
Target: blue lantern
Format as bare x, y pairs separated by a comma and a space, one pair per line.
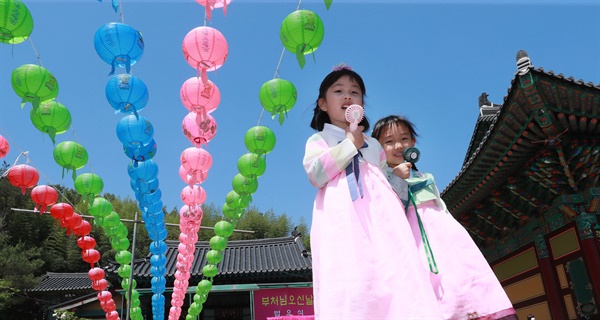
144, 172
126, 94
144, 187
119, 45
145, 152
135, 132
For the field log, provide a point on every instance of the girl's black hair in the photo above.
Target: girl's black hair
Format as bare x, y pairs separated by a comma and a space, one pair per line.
320, 117
393, 120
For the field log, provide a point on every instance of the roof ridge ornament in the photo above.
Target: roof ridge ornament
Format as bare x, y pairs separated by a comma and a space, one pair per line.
523, 62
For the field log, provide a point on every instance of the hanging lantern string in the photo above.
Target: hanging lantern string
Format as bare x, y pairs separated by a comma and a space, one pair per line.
121, 12
262, 111
36, 53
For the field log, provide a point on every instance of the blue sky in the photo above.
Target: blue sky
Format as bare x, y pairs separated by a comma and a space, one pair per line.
427, 60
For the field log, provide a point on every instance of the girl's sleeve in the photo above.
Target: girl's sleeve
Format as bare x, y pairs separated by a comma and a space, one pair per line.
322, 163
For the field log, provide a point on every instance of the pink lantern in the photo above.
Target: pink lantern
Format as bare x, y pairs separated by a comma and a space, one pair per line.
5, 147
43, 196
23, 176
205, 49
195, 160
188, 215
199, 128
198, 177
212, 4
193, 195
199, 96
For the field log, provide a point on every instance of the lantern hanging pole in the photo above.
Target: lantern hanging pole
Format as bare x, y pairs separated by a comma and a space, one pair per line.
127, 220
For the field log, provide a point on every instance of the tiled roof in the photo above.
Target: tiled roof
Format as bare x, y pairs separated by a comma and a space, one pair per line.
53, 282
260, 258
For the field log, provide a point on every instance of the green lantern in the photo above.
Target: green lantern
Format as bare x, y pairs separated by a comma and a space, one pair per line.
16, 23
214, 256
52, 118
224, 229
251, 165
210, 270
71, 156
88, 185
34, 84
234, 200
301, 33
111, 220
123, 258
218, 243
99, 207
124, 270
259, 140
203, 287
278, 96
244, 186
232, 213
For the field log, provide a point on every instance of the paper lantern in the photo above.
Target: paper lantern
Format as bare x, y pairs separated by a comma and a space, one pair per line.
194, 195
235, 200
205, 49
145, 152
88, 185
100, 207
126, 93
135, 132
145, 171
4, 147
142, 187
244, 186
199, 128
82, 229
212, 4
119, 45
278, 96
197, 177
86, 242
23, 176
51, 118
34, 84
43, 196
195, 160
251, 165
199, 96
224, 229
301, 33
90, 256
61, 210
16, 23
259, 140
70, 155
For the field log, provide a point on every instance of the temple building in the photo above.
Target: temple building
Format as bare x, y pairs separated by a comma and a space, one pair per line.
528, 192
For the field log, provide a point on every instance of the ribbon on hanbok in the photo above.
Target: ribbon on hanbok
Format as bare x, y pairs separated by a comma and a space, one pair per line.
353, 176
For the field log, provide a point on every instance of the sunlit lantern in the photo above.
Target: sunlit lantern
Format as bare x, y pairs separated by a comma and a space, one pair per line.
199, 96
278, 96
301, 33
126, 93
70, 155
4, 147
135, 132
199, 128
88, 185
195, 160
210, 5
119, 45
43, 196
34, 84
145, 152
205, 49
251, 165
23, 176
244, 186
51, 118
260, 140
16, 23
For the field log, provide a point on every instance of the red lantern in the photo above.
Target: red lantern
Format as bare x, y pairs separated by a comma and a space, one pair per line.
113, 315
4, 147
104, 296
82, 229
61, 210
23, 176
96, 274
100, 285
86, 242
71, 222
43, 196
90, 256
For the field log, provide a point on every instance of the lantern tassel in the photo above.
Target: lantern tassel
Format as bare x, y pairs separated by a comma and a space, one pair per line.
23, 102
300, 56
115, 5
328, 3
204, 76
224, 8
208, 12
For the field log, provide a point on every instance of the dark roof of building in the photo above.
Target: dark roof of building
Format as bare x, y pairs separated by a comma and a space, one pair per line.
53, 282
283, 257
514, 168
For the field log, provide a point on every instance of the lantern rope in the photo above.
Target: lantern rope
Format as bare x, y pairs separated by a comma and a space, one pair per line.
37, 55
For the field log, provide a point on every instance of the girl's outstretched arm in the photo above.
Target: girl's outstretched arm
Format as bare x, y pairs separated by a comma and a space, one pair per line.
322, 162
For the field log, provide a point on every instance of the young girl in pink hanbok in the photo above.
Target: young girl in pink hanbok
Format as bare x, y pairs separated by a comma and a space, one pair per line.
465, 285
365, 263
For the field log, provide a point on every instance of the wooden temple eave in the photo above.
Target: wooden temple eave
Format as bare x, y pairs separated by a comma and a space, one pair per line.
543, 142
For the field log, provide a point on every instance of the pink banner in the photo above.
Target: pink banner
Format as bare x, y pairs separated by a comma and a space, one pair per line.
283, 302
